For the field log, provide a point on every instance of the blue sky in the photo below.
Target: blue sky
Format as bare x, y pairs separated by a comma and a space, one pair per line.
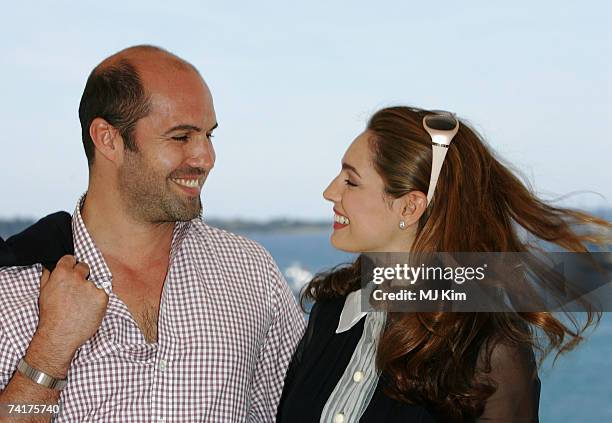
294, 83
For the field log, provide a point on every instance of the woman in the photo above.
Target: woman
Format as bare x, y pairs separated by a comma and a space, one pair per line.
425, 367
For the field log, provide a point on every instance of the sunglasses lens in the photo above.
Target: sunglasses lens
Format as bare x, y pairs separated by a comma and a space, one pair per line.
441, 122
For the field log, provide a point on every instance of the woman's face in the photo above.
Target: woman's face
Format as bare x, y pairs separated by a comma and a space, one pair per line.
365, 220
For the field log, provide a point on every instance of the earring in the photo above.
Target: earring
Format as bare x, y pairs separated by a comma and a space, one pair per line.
402, 225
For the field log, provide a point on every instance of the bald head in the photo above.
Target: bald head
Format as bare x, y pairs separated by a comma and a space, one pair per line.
117, 90
147, 58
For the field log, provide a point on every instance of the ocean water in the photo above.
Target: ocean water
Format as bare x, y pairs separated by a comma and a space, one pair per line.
577, 388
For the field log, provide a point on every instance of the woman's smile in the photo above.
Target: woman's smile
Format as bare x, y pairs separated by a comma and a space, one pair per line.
340, 220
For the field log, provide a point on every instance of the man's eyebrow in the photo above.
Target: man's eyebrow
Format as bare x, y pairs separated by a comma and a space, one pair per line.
187, 127
350, 167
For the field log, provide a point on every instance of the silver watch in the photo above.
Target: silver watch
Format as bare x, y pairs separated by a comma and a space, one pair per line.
39, 377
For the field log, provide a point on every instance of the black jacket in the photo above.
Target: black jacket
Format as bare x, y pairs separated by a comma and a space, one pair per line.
322, 357
44, 242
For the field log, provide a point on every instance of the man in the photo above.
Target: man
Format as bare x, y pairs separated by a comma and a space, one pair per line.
157, 316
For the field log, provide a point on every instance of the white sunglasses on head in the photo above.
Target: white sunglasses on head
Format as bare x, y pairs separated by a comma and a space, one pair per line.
442, 127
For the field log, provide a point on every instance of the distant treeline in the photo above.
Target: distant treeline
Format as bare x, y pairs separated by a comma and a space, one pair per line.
10, 227
274, 225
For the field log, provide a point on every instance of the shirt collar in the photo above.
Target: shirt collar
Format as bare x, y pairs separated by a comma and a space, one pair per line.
85, 250
351, 312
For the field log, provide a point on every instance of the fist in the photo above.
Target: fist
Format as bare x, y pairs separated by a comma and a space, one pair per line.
71, 308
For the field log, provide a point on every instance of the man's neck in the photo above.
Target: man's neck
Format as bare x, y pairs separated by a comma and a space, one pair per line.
119, 235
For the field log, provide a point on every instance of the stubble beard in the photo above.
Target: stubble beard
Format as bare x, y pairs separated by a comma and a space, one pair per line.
149, 196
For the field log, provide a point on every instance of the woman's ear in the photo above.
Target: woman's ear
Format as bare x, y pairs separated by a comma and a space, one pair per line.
412, 207
107, 140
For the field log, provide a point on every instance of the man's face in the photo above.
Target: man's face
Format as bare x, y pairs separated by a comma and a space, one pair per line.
161, 182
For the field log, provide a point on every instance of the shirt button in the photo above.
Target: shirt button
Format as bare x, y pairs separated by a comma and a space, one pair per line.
162, 365
105, 284
339, 418
357, 376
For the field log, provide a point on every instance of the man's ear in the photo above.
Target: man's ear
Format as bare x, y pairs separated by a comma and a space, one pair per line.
412, 206
107, 140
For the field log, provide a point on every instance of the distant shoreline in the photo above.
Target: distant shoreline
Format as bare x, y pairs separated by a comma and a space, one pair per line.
271, 226
10, 227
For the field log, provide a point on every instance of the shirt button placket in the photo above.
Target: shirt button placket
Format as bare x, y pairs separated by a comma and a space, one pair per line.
162, 366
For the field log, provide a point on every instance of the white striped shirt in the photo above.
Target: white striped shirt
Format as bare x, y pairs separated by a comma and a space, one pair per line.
353, 392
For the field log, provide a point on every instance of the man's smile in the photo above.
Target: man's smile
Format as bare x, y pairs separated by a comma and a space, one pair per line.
191, 185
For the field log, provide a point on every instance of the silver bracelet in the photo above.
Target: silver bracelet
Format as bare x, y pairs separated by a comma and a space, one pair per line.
39, 377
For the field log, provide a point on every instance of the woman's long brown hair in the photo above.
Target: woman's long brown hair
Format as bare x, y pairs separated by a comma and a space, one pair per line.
478, 205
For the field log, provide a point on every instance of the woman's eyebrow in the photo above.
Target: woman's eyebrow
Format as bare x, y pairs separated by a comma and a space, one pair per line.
347, 166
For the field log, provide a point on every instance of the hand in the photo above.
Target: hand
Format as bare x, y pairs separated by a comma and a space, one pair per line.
71, 309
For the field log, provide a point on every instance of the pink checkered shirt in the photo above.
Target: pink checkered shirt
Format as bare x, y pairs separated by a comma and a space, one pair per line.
228, 325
